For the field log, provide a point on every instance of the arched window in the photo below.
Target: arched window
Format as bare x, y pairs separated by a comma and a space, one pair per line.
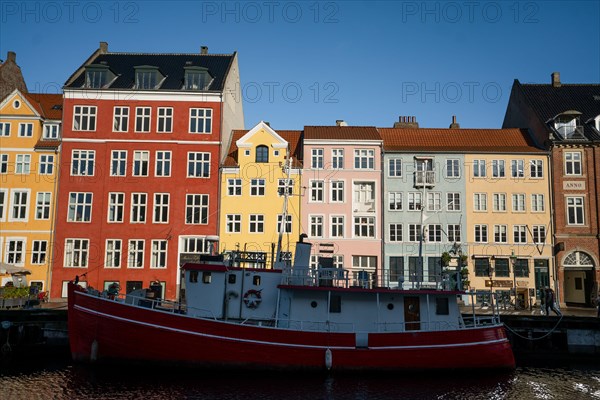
578, 259
262, 154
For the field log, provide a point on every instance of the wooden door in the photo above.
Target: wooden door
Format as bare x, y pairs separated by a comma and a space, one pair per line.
412, 313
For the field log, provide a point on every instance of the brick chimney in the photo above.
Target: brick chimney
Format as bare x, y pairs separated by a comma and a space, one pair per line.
11, 77
556, 79
203, 49
406, 122
454, 124
103, 47
12, 57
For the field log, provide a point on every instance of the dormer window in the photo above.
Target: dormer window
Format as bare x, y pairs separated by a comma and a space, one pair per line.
50, 131
597, 123
148, 77
197, 78
98, 76
262, 154
568, 125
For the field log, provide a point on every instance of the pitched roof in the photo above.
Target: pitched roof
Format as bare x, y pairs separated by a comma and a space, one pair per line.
548, 101
341, 133
457, 140
49, 106
170, 65
294, 138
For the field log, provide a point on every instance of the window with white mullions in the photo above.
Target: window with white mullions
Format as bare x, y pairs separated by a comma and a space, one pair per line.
121, 119
118, 163
200, 120
196, 210
84, 118
112, 258
142, 119
80, 207
135, 253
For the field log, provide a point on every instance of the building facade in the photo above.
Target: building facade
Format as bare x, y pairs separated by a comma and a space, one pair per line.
254, 177
341, 203
30, 131
565, 120
144, 135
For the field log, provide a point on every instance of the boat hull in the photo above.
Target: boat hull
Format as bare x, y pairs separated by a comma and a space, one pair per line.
103, 330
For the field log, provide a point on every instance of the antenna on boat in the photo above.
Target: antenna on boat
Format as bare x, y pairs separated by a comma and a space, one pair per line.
279, 263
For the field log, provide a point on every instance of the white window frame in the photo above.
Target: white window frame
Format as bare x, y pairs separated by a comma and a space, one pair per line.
500, 233
23, 164
573, 162
498, 169
480, 202
159, 254
434, 201
4, 129
118, 160
114, 206
576, 203
364, 227
415, 201
414, 232
120, 119
4, 164
196, 205
256, 223
395, 232
200, 163
536, 169
453, 203
337, 191
233, 223
202, 124
499, 200
4, 203
337, 225
434, 233
364, 155
538, 233
162, 163
164, 118
316, 226
282, 184
51, 132
18, 202
519, 234
452, 168
143, 119
234, 187
16, 254
454, 233
141, 163
287, 225
517, 168
25, 130
43, 205
518, 202
39, 252
317, 159
83, 158
139, 208
337, 158
395, 201
77, 251
257, 187
395, 167
479, 169
80, 203
481, 230
538, 202
113, 253
46, 165
84, 118
160, 207
135, 253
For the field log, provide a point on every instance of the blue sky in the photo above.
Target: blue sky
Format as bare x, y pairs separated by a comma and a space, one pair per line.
311, 63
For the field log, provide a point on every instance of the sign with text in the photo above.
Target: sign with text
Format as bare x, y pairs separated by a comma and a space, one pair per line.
573, 185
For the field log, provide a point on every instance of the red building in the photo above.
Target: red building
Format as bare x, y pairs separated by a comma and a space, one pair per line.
143, 137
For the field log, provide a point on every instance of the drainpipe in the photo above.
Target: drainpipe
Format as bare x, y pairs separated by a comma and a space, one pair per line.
52, 247
596, 188
553, 259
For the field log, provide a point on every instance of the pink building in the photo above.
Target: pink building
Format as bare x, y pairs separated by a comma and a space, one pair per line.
341, 203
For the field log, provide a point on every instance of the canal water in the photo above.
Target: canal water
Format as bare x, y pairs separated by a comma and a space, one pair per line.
61, 379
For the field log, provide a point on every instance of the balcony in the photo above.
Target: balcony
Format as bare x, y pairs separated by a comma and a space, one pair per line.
424, 179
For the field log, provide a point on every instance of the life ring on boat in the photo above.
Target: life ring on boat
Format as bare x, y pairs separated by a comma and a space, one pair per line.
252, 298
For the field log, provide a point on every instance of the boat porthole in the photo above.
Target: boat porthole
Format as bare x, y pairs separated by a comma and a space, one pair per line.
313, 304
390, 306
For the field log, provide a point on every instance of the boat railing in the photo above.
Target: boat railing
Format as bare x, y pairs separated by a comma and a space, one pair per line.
427, 326
316, 326
140, 299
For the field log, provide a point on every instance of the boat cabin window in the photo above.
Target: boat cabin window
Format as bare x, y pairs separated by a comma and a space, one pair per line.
335, 305
256, 280
231, 278
206, 277
442, 306
193, 276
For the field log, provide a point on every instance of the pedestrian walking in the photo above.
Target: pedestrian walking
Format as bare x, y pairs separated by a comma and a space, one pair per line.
550, 302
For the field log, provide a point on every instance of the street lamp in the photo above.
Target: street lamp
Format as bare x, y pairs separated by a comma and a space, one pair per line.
513, 260
491, 275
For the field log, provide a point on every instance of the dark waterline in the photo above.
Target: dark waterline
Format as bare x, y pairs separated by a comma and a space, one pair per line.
62, 379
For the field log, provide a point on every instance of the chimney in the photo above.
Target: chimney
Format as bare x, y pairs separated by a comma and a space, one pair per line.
11, 56
454, 124
556, 79
341, 122
203, 49
267, 123
103, 47
406, 122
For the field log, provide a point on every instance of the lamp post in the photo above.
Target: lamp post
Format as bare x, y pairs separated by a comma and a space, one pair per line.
513, 260
491, 275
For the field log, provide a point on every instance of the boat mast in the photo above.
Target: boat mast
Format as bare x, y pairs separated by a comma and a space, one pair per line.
423, 201
279, 263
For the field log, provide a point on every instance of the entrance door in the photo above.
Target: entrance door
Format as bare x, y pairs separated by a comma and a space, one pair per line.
542, 277
412, 314
575, 287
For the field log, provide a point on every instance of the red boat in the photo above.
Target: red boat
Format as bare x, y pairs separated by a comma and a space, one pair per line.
294, 318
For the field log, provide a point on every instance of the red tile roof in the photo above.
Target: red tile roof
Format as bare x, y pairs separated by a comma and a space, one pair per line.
341, 133
48, 105
450, 140
294, 138
47, 144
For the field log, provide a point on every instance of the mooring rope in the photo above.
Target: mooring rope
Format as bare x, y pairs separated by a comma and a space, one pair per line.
538, 338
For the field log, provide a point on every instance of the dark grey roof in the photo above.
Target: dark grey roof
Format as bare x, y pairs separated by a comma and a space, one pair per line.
170, 65
548, 101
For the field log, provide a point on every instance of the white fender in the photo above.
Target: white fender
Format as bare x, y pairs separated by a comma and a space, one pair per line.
94, 351
328, 359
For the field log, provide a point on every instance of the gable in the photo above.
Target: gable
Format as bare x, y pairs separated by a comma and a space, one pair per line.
262, 134
16, 104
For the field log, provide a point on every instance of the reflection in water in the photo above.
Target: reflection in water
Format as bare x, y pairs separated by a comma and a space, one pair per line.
63, 380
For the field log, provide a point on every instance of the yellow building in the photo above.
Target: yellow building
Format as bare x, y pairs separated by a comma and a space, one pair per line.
508, 214
253, 181
30, 129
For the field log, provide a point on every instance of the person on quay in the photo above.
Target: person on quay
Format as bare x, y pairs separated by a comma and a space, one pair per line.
550, 302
